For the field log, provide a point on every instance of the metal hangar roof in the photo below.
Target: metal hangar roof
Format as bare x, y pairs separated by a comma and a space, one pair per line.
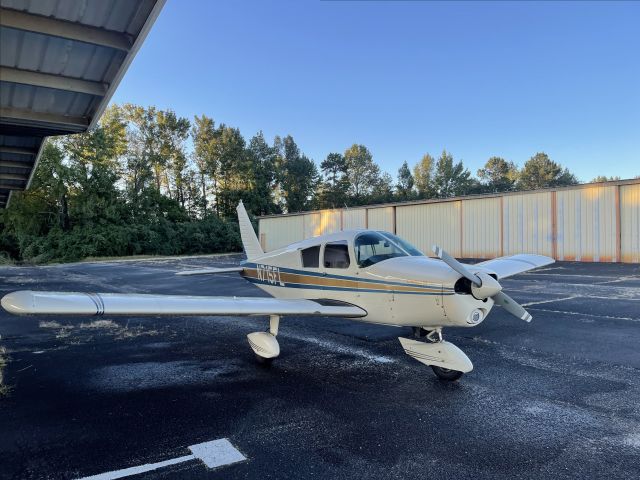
60, 63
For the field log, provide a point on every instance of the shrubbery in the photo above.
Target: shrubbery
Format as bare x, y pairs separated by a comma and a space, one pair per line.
209, 235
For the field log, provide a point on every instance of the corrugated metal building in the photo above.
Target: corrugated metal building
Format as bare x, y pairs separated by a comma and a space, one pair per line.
60, 63
597, 222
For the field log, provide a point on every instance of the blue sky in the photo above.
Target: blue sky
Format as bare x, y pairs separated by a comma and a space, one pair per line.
405, 78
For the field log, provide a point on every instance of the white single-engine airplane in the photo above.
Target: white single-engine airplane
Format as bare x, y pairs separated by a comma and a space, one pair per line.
370, 276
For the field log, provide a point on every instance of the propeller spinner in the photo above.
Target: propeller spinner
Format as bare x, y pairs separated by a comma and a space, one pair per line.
484, 286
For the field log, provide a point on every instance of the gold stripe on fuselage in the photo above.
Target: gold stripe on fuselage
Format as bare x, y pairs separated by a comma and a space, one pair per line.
315, 281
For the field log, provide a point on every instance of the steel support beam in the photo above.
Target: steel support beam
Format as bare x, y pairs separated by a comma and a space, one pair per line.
9, 186
38, 79
23, 177
18, 150
78, 124
63, 29
13, 164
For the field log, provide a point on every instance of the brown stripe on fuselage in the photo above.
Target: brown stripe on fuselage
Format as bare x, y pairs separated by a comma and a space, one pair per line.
312, 281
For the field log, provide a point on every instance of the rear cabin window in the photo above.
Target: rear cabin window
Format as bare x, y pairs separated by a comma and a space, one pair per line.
336, 255
311, 257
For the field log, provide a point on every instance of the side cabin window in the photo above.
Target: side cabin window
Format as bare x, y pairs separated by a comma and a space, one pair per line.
311, 257
336, 255
372, 247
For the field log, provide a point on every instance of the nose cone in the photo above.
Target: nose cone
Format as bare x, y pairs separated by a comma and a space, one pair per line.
488, 288
19, 303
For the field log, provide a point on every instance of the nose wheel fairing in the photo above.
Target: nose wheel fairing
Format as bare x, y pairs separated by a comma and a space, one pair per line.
264, 344
441, 354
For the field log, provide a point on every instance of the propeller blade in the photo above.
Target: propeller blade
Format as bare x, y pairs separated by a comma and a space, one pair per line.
511, 306
456, 265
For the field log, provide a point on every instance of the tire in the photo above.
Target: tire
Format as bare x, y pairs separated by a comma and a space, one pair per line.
263, 361
445, 374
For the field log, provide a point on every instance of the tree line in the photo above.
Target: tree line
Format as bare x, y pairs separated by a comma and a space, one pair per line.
147, 181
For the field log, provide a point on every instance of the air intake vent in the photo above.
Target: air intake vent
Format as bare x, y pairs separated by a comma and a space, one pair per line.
463, 286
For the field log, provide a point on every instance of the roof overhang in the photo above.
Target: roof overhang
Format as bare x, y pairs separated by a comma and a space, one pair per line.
60, 63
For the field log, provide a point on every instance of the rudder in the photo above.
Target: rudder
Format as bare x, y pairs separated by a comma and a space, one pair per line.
250, 242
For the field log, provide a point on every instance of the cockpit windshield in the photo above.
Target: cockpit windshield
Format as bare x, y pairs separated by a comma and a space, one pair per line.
373, 247
406, 246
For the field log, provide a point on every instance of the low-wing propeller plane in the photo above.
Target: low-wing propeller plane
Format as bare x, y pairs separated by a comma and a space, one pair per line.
369, 276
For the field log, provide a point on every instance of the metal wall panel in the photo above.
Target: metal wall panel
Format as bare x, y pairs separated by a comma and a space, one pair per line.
312, 224
281, 231
630, 223
586, 220
381, 219
430, 224
330, 221
527, 224
353, 218
321, 223
481, 228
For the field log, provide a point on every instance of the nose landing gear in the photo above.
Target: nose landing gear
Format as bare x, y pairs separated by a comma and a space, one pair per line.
446, 360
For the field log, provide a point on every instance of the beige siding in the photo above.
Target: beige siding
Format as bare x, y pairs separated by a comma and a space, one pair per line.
586, 220
330, 221
481, 231
278, 232
353, 218
381, 219
630, 223
527, 224
430, 224
321, 223
312, 224
587, 223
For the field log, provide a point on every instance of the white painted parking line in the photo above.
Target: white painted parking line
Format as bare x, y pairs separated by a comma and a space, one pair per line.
213, 454
582, 314
550, 301
217, 453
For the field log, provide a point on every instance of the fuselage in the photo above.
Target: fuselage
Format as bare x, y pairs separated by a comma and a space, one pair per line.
405, 289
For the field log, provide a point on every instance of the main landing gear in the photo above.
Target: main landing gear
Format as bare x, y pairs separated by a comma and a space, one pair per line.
264, 344
446, 360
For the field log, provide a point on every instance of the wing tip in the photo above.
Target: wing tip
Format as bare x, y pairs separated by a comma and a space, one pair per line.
19, 302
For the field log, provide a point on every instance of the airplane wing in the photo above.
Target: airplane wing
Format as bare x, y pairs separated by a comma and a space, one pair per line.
210, 271
27, 302
509, 266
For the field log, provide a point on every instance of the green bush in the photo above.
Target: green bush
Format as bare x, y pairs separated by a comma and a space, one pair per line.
210, 235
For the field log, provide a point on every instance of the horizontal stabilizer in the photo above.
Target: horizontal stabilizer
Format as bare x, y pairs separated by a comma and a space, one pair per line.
27, 302
209, 271
508, 266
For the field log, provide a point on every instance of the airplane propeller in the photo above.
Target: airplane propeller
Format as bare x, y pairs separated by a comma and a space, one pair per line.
484, 286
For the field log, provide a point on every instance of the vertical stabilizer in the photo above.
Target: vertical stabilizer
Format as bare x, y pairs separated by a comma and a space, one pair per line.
249, 240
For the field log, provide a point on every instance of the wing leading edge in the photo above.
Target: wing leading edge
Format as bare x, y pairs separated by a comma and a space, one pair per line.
26, 302
508, 266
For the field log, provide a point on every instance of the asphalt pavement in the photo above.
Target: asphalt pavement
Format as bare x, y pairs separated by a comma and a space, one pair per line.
557, 398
